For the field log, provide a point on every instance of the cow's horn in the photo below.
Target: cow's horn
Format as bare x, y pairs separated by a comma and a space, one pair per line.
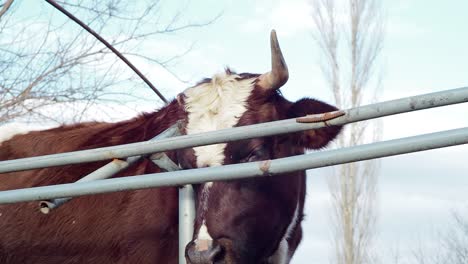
278, 75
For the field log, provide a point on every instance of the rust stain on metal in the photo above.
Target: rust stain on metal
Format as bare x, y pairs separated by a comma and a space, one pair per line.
320, 117
120, 163
265, 166
110, 154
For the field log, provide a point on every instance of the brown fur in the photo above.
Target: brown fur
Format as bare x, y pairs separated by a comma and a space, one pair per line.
124, 227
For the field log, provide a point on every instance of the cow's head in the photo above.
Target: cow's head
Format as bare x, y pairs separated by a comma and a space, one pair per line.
253, 220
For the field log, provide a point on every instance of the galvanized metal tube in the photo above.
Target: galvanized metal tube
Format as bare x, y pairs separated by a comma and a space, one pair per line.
116, 166
409, 104
245, 170
164, 162
186, 218
104, 172
186, 204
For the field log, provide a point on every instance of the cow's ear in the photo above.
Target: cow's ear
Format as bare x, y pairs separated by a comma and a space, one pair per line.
313, 139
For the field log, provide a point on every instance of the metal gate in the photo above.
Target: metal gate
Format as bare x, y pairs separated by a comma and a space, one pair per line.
51, 197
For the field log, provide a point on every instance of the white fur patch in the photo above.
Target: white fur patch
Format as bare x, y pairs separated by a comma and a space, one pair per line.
203, 232
8, 131
282, 254
293, 223
215, 105
204, 241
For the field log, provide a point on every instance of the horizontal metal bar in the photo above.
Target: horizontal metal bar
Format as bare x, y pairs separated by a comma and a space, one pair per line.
408, 104
245, 170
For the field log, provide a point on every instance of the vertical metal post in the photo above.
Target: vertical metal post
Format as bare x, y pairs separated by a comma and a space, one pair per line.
186, 219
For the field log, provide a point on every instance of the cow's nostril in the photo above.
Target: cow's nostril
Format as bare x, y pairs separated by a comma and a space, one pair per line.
212, 254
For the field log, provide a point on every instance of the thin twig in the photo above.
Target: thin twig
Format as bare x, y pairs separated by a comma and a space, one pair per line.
5, 7
116, 52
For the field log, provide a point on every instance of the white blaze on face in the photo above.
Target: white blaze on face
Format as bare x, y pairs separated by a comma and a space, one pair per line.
212, 106
216, 105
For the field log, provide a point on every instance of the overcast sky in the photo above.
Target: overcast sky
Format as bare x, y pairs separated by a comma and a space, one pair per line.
425, 50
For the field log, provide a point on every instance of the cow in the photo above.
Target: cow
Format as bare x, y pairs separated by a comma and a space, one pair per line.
256, 220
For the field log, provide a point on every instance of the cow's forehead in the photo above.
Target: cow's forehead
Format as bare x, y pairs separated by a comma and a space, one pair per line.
215, 104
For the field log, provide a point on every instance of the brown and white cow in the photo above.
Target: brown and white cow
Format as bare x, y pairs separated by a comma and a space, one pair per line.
242, 221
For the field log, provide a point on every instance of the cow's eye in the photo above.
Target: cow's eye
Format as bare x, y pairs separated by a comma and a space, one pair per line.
255, 155
253, 158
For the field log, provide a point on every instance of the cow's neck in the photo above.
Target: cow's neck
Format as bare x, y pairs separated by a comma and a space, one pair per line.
148, 125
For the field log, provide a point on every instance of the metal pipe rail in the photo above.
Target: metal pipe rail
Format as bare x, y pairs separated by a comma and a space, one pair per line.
116, 166
392, 107
245, 170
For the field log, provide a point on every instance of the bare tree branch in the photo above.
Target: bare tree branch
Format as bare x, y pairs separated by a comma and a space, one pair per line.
452, 246
47, 60
350, 39
4, 7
